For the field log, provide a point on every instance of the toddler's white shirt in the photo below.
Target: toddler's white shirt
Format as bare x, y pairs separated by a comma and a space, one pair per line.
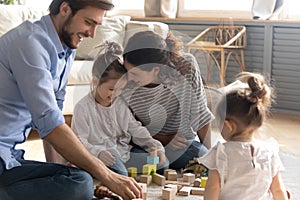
242, 175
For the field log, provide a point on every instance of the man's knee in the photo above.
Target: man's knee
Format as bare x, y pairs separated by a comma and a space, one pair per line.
83, 187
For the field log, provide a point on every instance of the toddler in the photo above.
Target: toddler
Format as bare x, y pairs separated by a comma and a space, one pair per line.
243, 167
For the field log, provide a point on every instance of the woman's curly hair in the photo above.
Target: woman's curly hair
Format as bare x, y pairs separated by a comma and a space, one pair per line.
147, 50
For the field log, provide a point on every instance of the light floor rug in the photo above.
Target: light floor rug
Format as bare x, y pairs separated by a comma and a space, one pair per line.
291, 174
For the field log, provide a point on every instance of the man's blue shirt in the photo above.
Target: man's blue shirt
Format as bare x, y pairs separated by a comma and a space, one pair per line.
34, 68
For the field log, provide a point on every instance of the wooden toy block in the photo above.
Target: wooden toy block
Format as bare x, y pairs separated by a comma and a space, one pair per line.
203, 182
179, 187
153, 160
143, 186
185, 191
158, 179
173, 186
132, 172
144, 190
188, 177
197, 191
166, 171
149, 169
197, 182
146, 179
169, 192
172, 176
178, 183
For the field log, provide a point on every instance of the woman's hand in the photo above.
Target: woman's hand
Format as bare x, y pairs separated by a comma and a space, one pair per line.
178, 142
107, 158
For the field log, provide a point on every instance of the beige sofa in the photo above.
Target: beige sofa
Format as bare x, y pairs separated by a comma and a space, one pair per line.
115, 28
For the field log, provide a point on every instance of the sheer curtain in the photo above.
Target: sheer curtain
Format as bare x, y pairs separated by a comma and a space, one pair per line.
267, 9
161, 8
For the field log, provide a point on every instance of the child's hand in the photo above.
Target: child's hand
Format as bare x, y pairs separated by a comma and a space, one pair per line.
107, 158
162, 158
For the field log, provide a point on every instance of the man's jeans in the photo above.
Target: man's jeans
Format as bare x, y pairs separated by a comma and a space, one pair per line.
38, 180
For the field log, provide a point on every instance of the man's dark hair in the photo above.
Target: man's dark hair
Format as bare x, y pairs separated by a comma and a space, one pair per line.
76, 5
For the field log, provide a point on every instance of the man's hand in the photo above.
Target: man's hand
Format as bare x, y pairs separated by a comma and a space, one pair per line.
107, 158
124, 186
76, 153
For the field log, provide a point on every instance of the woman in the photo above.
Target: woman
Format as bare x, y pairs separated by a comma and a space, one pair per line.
166, 94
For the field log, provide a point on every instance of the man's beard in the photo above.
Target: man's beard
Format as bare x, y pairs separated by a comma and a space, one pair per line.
66, 35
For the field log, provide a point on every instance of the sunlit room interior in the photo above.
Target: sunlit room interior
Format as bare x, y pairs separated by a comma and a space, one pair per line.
268, 43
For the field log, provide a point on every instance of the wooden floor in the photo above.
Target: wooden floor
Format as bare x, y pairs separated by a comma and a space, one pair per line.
284, 128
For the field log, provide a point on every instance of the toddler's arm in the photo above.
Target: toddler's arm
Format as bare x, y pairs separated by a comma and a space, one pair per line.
212, 189
278, 189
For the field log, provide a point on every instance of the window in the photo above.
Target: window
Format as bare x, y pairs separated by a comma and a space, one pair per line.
215, 8
293, 9
231, 9
189, 8
217, 5
134, 8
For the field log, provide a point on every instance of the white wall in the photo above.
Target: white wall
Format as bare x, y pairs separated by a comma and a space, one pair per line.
40, 4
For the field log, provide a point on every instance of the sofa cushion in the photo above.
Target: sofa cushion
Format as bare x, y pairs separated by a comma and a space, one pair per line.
81, 72
13, 15
113, 29
137, 26
74, 94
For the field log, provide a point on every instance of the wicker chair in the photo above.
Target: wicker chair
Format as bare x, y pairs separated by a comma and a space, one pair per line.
221, 42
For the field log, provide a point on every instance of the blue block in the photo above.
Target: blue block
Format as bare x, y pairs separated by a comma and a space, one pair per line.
153, 160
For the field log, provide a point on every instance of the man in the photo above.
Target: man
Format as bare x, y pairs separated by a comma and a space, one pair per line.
35, 59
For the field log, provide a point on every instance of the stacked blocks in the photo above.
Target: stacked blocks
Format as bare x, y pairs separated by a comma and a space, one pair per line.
152, 161
153, 158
